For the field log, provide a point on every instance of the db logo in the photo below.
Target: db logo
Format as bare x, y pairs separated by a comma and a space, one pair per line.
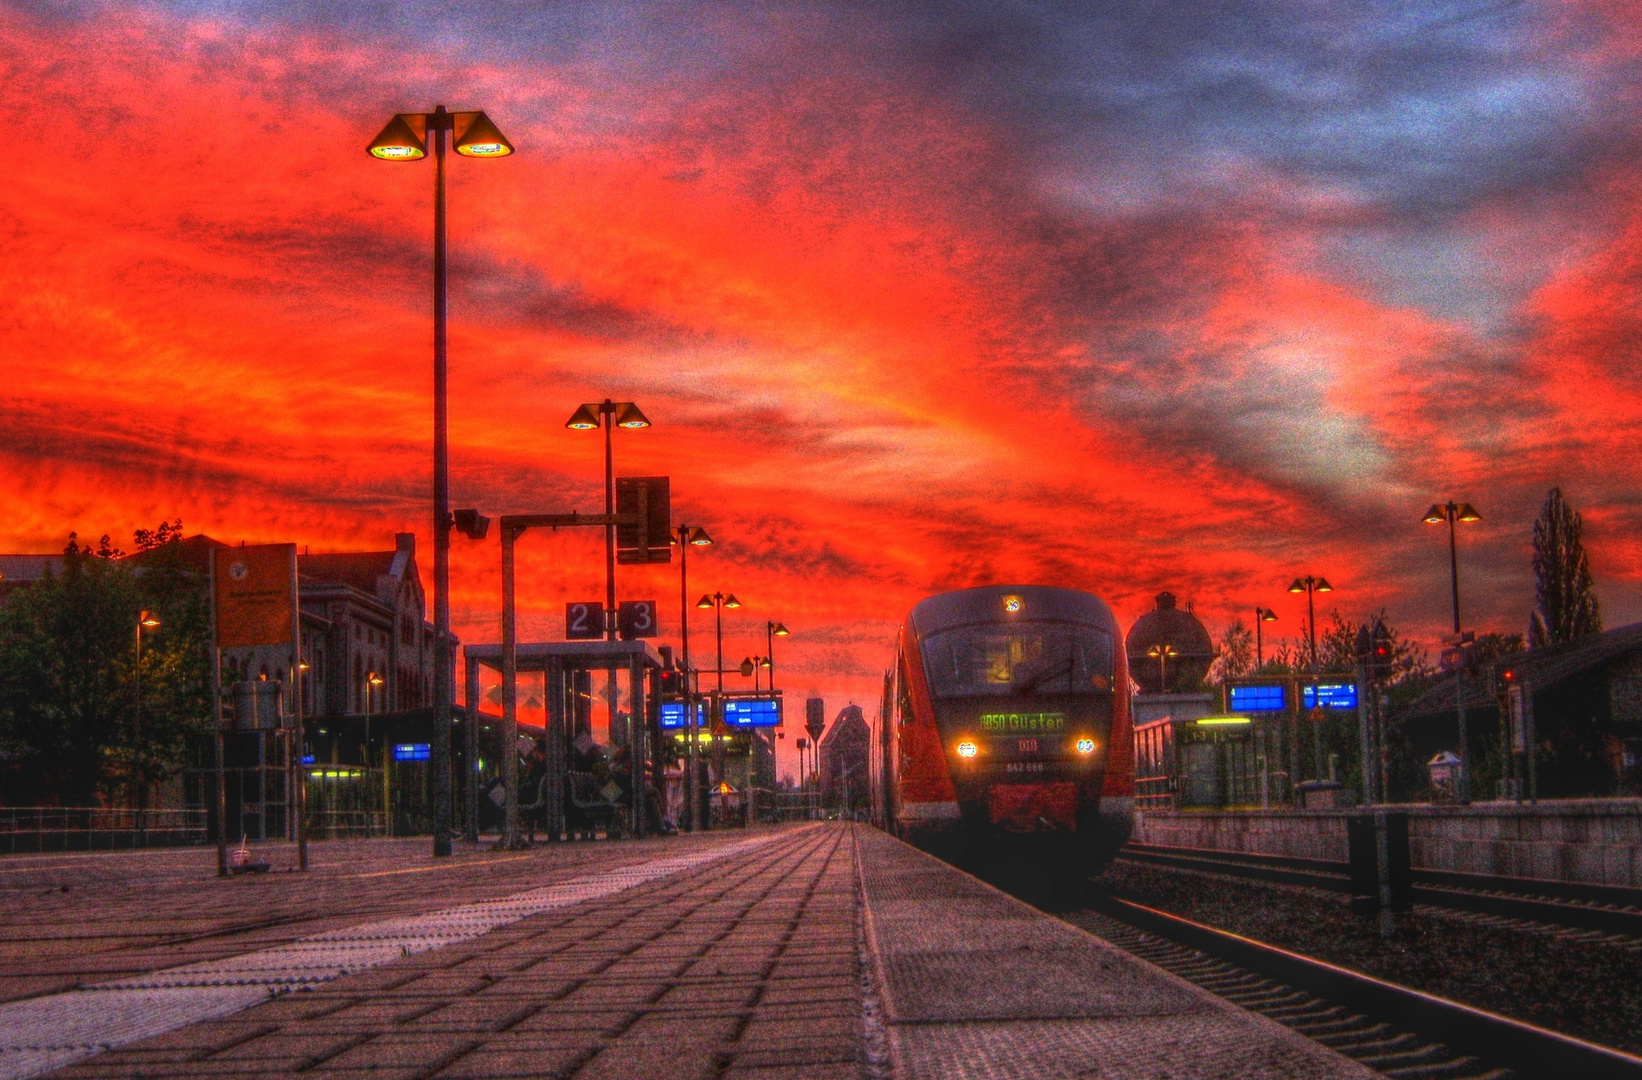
238, 570
1029, 746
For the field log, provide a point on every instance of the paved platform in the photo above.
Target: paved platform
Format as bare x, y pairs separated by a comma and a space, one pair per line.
825, 951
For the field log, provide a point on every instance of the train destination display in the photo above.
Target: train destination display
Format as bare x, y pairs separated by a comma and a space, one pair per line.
1023, 723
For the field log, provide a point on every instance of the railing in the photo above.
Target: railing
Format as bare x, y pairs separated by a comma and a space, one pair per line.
1154, 792
96, 828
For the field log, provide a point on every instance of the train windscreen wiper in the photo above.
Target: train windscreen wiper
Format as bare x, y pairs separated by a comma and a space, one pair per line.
1030, 684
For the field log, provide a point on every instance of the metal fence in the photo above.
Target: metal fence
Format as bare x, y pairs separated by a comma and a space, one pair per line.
95, 828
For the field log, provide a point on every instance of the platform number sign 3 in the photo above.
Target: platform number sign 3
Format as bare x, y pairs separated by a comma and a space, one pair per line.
636, 619
584, 622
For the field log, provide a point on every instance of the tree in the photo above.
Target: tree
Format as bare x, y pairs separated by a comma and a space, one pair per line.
69, 681
1566, 608
1235, 657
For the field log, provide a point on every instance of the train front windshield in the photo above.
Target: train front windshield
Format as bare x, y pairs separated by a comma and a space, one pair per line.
1018, 659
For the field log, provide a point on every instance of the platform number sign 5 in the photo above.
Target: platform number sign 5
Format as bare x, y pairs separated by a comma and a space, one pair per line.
636, 619
584, 622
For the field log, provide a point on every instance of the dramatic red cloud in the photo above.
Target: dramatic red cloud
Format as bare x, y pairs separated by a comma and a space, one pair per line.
886, 351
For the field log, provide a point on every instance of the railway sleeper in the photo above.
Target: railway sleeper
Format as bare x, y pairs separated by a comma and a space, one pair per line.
1352, 1027
1279, 998
1316, 1012
1425, 1054
1374, 1047
1462, 1068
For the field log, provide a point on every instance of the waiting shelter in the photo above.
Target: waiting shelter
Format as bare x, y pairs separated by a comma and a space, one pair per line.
567, 668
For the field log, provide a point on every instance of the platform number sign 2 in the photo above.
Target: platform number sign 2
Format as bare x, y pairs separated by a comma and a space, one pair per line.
636, 619
584, 622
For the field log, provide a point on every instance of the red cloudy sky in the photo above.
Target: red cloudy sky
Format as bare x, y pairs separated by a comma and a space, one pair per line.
1126, 297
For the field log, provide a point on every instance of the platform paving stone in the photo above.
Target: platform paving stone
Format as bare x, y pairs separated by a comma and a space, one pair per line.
700, 974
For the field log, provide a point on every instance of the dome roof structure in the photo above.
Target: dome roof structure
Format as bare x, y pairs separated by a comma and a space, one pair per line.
1182, 639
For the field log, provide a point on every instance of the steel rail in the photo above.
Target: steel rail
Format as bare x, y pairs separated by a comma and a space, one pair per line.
1608, 909
1530, 1052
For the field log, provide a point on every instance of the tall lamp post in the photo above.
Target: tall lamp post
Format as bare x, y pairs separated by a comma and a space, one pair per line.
149, 620
718, 602
1161, 654
1311, 586
608, 415
406, 139
689, 536
1261, 615
772, 630
1452, 513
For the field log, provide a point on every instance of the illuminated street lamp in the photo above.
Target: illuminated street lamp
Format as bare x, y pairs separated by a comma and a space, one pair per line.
1311, 586
718, 602
406, 139
1261, 615
150, 621
687, 537
773, 630
750, 665
608, 415
371, 680
1452, 513
1161, 654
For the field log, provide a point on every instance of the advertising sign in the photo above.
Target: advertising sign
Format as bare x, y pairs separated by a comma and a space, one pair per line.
255, 594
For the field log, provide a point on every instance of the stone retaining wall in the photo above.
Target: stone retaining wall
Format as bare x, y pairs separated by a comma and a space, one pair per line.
1588, 841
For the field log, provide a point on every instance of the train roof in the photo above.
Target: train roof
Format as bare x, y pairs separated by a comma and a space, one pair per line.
986, 605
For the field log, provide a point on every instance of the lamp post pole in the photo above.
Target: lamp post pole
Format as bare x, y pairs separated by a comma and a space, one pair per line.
1261, 615
687, 536
143, 619
401, 140
1452, 513
1310, 586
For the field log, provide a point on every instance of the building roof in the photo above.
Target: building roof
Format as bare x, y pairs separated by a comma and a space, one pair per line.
850, 721
359, 570
1540, 669
22, 568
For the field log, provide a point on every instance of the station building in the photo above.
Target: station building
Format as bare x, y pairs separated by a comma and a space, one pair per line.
1578, 703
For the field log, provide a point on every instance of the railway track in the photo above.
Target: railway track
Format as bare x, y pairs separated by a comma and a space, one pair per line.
1598, 909
1396, 1031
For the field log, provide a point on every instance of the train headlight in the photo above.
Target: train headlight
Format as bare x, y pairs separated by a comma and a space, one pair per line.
1086, 746
966, 749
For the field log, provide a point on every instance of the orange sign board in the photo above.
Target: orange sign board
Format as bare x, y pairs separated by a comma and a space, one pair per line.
255, 589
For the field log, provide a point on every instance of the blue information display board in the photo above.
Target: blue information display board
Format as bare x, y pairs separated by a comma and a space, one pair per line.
412, 751
752, 712
1258, 699
1330, 696
672, 715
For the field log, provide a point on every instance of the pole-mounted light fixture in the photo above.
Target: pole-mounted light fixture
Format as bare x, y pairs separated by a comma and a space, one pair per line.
406, 137
1449, 513
1311, 586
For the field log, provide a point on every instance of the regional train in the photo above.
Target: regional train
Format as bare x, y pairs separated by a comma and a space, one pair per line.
1003, 741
